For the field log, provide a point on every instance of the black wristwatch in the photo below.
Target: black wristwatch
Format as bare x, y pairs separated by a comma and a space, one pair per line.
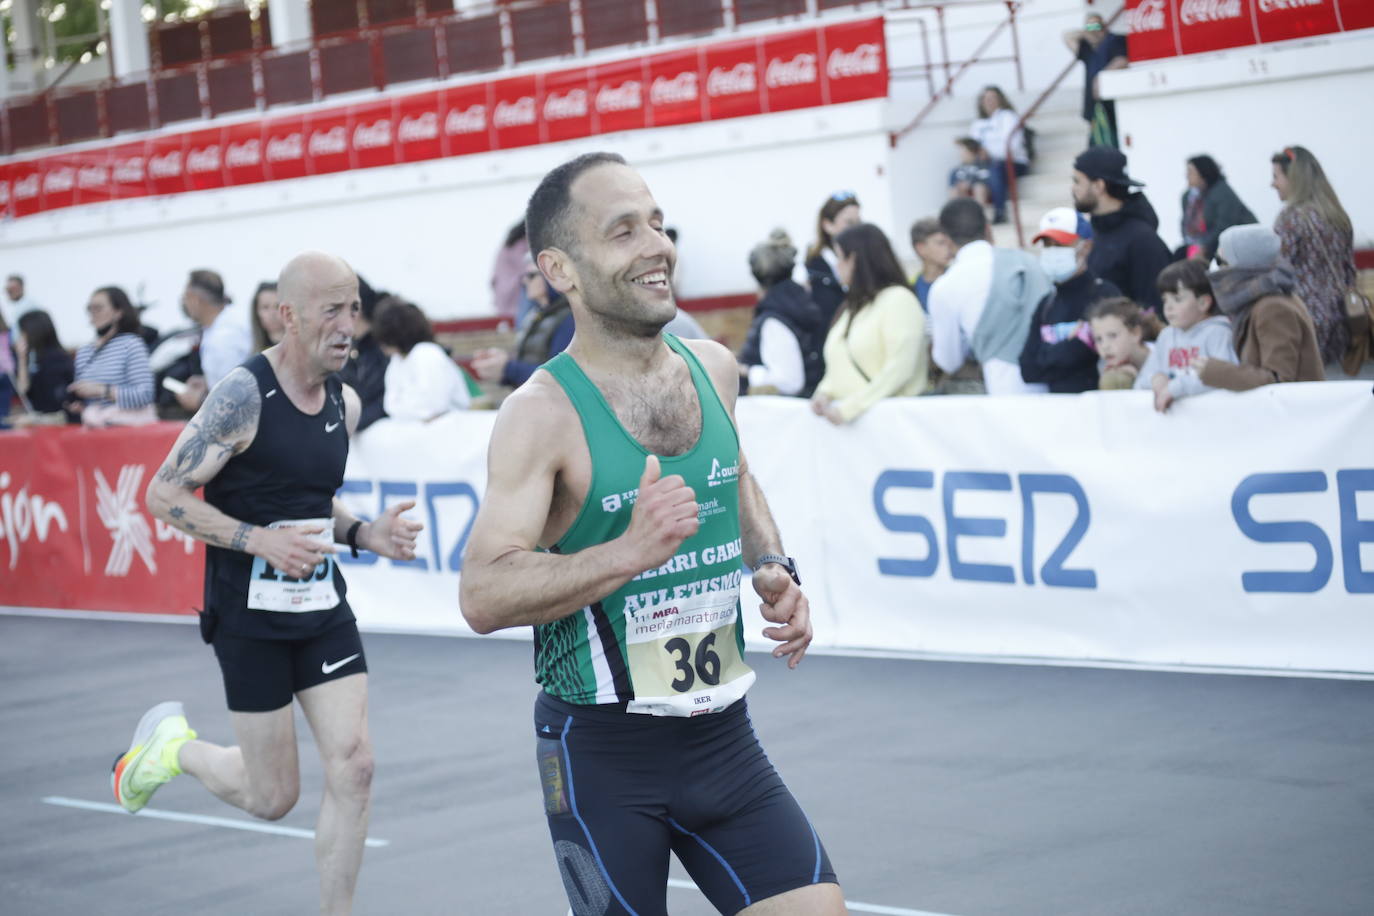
786, 563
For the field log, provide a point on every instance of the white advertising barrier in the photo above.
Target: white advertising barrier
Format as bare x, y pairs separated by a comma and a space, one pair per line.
1237, 530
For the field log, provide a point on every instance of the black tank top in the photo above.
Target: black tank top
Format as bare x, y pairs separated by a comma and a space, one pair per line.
289, 473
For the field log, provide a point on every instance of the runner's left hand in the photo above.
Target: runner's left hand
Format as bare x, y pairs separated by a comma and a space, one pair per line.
390, 535
784, 604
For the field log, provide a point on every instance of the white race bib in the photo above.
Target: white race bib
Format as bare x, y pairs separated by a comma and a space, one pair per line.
270, 589
684, 656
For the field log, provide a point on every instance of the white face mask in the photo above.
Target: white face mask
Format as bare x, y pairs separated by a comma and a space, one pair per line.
1059, 263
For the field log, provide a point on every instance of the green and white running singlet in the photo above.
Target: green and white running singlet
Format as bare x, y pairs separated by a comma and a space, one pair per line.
668, 642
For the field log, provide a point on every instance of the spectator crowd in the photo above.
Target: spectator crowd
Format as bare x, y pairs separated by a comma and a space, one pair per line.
1100, 302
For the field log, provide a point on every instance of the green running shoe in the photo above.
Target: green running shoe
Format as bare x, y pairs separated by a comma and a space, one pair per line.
151, 758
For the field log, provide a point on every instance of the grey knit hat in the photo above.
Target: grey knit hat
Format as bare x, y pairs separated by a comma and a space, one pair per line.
1253, 247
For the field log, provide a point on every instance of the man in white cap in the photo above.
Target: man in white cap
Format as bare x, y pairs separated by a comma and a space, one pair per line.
1059, 350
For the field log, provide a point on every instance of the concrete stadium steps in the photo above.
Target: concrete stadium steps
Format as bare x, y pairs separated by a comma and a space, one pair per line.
1060, 135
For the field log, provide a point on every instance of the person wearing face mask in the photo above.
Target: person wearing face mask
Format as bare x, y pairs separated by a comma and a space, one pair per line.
114, 385
1059, 349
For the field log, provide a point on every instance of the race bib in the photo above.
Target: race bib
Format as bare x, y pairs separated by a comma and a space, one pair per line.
270, 589
684, 655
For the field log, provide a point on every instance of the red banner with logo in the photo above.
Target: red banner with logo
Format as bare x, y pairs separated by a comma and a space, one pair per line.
1168, 28
822, 65
74, 530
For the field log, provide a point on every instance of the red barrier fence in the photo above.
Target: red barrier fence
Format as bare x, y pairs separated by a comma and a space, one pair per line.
1169, 28
74, 530
809, 67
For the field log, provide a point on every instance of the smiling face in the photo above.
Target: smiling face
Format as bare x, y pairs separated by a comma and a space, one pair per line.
621, 260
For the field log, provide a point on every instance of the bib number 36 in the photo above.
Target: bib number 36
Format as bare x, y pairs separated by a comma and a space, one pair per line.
703, 664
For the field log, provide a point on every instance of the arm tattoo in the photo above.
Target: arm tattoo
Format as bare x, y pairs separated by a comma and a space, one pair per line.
230, 410
240, 541
177, 512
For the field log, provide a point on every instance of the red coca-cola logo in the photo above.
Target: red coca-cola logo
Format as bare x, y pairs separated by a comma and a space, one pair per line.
865, 60
418, 128
518, 113
329, 142
1192, 12
563, 106
129, 170
1147, 17
737, 80
287, 148
28, 187
625, 97
203, 160
470, 120
243, 155
59, 180
372, 136
92, 176
165, 165
798, 71
676, 91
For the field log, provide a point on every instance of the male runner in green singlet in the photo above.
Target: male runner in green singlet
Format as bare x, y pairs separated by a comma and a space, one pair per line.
617, 512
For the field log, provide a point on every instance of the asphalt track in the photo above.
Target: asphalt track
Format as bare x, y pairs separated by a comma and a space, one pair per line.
938, 787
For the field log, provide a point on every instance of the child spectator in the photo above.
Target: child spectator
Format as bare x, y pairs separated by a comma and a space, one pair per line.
970, 178
995, 131
1273, 333
44, 368
1122, 333
422, 382
935, 250
1196, 331
1059, 345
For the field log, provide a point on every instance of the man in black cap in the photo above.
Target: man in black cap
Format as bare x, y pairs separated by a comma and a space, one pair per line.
1127, 251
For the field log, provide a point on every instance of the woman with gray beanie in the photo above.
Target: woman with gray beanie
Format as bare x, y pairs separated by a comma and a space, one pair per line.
782, 351
1274, 336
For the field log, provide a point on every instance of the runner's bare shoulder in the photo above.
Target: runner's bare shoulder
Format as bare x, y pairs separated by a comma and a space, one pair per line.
536, 426
721, 365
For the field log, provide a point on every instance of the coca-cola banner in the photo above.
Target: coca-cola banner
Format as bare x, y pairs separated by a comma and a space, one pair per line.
1167, 28
842, 62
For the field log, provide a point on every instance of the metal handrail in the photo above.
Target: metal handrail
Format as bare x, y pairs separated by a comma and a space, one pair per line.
1013, 191
976, 57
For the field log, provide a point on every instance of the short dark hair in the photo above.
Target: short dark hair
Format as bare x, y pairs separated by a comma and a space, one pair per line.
923, 229
401, 324
875, 265
38, 330
964, 221
127, 322
970, 144
546, 217
1207, 167
210, 284
1187, 274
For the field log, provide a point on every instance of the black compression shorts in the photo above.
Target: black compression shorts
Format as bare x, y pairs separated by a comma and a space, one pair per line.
261, 675
622, 790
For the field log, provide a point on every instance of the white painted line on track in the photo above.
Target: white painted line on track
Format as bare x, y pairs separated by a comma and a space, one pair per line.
203, 819
852, 905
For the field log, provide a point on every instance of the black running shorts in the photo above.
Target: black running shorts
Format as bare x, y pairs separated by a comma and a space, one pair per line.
261, 675
622, 790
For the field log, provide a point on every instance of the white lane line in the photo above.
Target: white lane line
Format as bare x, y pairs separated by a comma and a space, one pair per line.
852, 905
206, 820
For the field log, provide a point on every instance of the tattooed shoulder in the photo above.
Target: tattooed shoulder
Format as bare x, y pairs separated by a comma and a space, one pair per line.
225, 424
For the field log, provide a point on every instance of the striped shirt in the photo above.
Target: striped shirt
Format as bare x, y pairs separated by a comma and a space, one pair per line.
121, 362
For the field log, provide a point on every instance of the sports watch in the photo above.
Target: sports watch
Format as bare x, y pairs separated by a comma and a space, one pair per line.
786, 563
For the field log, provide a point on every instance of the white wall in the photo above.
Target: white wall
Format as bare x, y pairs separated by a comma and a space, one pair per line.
1242, 106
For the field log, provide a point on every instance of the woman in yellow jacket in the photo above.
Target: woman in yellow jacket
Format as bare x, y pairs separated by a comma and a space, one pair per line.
876, 348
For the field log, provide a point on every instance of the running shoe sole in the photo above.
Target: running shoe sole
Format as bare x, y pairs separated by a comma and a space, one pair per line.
127, 762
